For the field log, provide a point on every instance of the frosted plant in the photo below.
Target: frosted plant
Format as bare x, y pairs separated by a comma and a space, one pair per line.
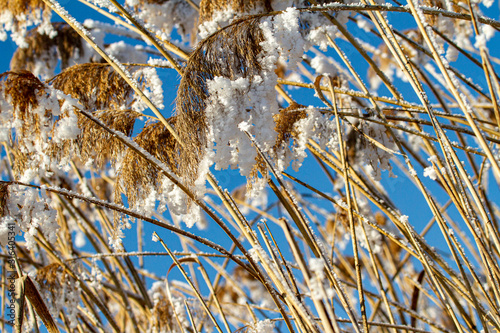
61, 291
264, 326
17, 16
167, 15
24, 210
43, 52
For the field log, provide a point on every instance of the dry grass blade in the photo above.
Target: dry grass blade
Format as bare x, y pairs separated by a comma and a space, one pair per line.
190, 314
146, 34
349, 199
163, 314
386, 64
414, 298
38, 304
4, 192
189, 281
291, 205
19, 304
213, 294
134, 214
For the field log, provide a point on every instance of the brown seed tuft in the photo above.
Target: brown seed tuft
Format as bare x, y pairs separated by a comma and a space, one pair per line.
22, 90
58, 288
209, 7
48, 277
101, 146
23, 11
102, 188
457, 7
21, 160
20, 7
66, 44
227, 293
96, 86
136, 176
163, 317
232, 53
383, 56
285, 121
94, 143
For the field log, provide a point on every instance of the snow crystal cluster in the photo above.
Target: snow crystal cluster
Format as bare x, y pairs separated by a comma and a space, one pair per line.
18, 24
29, 211
35, 128
152, 88
373, 236
164, 314
262, 326
248, 104
324, 65
219, 19
65, 298
318, 284
371, 156
171, 196
322, 128
127, 53
167, 16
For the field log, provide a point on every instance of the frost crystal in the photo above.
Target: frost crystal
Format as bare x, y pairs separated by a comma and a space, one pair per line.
317, 265
430, 172
370, 155
28, 212
263, 326
248, 104
167, 16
